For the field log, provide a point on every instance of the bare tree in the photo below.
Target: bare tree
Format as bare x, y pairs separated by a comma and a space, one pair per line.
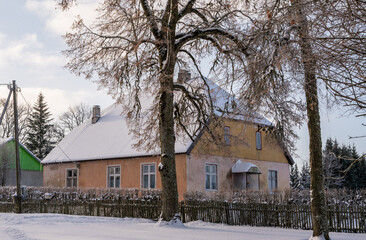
68, 120
6, 157
74, 116
7, 125
138, 46
309, 44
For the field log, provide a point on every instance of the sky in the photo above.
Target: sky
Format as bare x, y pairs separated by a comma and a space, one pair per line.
30, 53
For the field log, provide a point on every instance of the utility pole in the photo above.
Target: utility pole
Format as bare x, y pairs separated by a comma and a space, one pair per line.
18, 197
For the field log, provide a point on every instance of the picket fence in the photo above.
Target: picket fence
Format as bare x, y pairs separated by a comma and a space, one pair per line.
341, 218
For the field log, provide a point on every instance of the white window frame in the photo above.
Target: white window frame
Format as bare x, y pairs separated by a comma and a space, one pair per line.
211, 175
114, 175
227, 135
142, 174
270, 179
258, 140
73, 177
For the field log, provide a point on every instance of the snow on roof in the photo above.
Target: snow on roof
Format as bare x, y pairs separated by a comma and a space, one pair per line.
224, 101
245, 167
5, 140
109, 137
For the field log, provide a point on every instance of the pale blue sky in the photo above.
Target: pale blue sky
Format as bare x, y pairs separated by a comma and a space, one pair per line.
30, 46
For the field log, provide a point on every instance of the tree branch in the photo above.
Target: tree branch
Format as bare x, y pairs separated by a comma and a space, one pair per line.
150, 17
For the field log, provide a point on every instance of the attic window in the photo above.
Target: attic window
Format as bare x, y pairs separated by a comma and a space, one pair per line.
227, 135
258, 140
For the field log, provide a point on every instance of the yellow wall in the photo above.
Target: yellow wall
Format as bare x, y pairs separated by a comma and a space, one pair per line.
242, 146
196, 172
242, 143
93, 174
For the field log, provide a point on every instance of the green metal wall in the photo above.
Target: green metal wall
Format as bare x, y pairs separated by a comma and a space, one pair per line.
27, 161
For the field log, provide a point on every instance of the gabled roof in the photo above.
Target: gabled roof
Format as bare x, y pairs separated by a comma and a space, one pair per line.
6, 140
109, 138
106, 139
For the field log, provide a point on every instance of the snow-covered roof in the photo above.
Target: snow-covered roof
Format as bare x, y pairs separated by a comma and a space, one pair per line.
5, 140
245, 167
109, 137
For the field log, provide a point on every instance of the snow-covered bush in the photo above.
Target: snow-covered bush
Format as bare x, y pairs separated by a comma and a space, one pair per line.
300, 197
85, 194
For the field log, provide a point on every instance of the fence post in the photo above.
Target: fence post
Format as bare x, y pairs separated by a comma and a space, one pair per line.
182, 213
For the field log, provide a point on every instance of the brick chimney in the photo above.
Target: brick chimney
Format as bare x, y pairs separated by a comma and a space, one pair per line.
184, 76
96, 114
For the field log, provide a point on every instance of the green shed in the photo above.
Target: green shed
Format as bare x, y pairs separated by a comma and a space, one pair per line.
30, 166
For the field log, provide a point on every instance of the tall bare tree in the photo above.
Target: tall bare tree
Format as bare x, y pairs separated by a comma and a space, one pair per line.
315, 44
138, 46
7, 125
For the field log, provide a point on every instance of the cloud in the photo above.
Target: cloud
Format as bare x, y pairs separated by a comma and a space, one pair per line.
59, 100
27, 51
59, 22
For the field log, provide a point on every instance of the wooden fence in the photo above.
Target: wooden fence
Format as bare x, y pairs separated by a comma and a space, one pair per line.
107, 208
341, 218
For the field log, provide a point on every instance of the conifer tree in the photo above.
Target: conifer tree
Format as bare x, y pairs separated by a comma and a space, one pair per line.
305, 176
295, 177
38, 139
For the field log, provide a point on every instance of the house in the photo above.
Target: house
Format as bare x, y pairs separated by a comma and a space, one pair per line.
99, 154
31, 169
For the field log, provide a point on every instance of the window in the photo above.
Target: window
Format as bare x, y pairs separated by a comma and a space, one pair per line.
148, 175
114, 176
272, 180
71, 178
227, 135
258, 140
211, 176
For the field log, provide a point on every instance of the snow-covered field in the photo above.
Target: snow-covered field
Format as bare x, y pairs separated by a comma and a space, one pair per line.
55, 226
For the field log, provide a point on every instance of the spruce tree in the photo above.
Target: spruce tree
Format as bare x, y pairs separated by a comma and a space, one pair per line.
38, 139
295, 177
305, 176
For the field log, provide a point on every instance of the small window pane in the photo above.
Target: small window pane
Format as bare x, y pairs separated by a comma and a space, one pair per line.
152, 181
118, 170
213, 168
213, 182
117, 181
207, 168
146, 168
111, 181
152, 168
207, 181
68, 184
146, 181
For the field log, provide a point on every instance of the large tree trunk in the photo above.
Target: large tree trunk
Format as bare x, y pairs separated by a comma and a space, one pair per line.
318, 205
167, 141
168, 58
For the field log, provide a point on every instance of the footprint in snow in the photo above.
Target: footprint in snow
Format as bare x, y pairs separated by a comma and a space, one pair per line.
16, 234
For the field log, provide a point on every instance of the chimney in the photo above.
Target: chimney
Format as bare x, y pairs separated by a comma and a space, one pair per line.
184, 76
96, 114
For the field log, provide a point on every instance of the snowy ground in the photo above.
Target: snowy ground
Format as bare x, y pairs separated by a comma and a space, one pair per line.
55, 226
